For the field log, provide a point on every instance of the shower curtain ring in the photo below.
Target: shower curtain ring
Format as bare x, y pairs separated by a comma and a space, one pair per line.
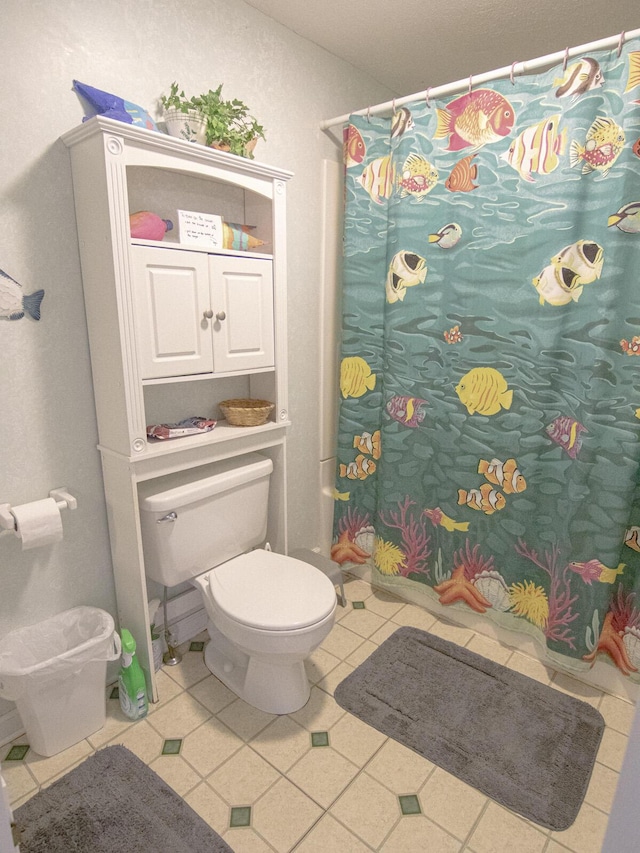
470, 83
566, 57
369, 114
427, 97
513, 65
621, 42
393, 105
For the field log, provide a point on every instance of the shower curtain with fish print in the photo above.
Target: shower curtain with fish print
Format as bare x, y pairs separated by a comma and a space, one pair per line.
488, 444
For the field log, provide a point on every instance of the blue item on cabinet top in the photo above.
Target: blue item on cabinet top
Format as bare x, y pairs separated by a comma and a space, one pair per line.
112, 106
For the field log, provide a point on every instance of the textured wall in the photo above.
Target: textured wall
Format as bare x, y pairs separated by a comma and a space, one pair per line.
48, 431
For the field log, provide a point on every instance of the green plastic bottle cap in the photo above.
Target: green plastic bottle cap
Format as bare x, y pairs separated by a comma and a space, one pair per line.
128, 643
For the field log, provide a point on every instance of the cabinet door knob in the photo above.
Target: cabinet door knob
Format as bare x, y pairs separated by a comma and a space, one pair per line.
221, 316
208, 314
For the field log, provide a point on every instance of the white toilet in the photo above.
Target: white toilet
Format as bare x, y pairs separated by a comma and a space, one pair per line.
267, 612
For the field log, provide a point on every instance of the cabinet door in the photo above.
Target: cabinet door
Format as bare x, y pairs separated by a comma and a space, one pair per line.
171, 293
242, 304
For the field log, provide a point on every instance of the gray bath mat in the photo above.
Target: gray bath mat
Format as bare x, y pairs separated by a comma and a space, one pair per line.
111, 803
525, 745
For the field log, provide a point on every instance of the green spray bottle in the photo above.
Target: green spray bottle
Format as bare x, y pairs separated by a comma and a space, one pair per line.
132, 687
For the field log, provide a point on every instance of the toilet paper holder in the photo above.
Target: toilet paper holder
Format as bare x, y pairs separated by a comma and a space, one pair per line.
61, 496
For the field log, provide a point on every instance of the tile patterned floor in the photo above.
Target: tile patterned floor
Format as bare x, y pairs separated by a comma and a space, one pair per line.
319, 780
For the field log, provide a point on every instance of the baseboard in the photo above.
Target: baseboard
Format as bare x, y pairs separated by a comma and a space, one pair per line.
189, 627
186, 615
10, 726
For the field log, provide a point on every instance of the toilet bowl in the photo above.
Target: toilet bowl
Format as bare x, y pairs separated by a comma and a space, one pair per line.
266, 612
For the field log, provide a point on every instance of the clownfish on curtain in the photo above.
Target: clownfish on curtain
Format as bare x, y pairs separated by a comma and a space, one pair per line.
488, 445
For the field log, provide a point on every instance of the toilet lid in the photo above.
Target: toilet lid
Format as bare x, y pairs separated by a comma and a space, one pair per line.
285, 593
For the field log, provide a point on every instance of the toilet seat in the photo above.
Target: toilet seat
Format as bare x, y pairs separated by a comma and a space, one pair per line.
286, 594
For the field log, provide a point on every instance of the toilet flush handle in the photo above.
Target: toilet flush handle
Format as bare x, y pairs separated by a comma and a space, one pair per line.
170, 516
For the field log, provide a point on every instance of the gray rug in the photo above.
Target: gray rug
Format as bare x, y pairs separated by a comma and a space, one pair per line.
113, 803
525, 745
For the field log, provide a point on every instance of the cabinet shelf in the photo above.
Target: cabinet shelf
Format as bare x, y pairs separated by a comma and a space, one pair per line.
185, 247
199, 377
149, 147
222, 432
193, 451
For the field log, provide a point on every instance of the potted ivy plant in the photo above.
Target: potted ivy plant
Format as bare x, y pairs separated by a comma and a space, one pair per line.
228, 125
182, 116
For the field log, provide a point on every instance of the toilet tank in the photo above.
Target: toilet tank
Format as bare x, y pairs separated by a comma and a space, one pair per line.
196, 519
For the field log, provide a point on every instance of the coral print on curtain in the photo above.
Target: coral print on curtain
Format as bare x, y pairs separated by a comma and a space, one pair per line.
490, 373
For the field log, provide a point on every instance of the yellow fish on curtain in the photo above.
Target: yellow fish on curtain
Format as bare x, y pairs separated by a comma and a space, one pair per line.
497, 375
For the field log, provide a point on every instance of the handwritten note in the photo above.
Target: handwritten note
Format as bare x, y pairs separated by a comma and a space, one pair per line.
200, 229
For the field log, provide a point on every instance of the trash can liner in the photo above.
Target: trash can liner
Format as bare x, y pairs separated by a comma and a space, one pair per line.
57, 647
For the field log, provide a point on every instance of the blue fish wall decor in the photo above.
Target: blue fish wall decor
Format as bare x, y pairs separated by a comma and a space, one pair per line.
14, 303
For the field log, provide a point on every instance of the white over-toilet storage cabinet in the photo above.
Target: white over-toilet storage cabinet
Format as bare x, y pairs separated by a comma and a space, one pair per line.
174, 329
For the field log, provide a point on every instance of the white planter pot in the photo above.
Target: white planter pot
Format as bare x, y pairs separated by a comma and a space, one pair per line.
190, 126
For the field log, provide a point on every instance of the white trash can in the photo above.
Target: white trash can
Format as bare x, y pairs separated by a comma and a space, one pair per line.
55, 672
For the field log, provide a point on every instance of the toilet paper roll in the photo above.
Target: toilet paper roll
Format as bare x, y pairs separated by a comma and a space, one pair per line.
38, 523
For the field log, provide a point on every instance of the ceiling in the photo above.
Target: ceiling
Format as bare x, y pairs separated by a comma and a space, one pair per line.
408, 45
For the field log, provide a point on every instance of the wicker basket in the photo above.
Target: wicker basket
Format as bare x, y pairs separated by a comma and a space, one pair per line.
246, 412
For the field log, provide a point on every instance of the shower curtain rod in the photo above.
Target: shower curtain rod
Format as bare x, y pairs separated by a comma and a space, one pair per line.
516, 68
